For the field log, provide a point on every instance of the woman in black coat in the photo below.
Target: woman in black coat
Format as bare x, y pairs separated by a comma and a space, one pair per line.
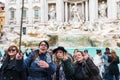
113, 59
65, 69
84, 67
10, 69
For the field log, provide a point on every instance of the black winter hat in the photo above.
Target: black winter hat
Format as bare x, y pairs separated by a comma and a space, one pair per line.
107, 48
98, 51
59, 48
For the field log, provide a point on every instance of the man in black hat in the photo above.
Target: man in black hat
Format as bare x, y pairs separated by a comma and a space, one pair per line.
65, 69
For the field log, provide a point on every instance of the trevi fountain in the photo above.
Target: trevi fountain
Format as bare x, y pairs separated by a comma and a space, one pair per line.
83, 25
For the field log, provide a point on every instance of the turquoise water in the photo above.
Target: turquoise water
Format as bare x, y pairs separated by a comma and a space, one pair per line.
91, 50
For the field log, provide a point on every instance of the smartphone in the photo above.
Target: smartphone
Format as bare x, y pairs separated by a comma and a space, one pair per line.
19, 52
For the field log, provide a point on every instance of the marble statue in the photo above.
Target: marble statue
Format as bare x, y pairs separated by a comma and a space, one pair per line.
52, 13
75, 13
102, 9
118, 10
76, 17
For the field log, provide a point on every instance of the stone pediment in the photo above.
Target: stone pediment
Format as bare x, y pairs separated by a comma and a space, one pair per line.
76, 0
12, 8
36, 7
117, 0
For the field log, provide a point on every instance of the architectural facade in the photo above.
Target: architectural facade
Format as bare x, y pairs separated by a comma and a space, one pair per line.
63, 22
2, 16
39, 13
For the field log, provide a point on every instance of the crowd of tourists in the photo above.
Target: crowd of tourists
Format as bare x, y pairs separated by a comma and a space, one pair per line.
57, 64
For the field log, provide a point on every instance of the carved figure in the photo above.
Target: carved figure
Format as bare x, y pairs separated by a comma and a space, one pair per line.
75, 13
52, 13
102, 9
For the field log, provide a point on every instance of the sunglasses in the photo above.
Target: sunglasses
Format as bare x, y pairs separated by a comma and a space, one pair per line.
11, 50
43, 45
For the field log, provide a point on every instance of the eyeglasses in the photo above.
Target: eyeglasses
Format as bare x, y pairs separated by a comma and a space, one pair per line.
11, 50
43, 45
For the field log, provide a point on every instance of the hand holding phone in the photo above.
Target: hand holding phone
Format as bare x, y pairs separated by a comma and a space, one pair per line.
19, 55
20, 52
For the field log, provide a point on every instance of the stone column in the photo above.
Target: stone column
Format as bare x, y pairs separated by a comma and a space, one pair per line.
83, 13
70, 11
93, 9
112, 9
96, 8
46, 11
86, 10
30, 17
60, 10
66, 12
42, 11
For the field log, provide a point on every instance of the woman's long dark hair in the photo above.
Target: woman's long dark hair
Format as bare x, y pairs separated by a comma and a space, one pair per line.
114, 55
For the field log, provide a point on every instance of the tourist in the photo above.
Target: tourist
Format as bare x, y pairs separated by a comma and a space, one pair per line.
75, 51
50, 52
28, 52
98, 61
65, 69
1, 58
113, 69
84, 67
0, 55
86, 53
39, 63
106, 63
10, 69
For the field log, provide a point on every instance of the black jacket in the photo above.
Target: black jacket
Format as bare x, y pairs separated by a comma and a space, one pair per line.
10, 71
67, 68
86, 70
113, 67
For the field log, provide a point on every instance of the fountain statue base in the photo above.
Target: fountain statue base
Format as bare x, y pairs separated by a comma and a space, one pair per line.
95, 34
